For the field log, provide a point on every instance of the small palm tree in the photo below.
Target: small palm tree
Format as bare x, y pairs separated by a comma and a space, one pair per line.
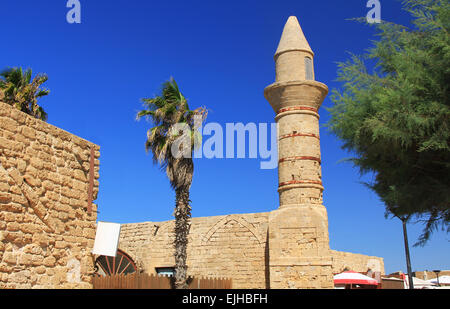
169, 112
20, 90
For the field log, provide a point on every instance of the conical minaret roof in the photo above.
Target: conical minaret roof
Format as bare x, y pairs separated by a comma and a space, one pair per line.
293, 38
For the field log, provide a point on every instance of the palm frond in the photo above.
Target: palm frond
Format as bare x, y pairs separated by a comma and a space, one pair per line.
164, 111
22, 91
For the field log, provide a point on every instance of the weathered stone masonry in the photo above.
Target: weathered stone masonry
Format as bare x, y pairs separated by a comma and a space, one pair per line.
232, 246
287, 247
46, 233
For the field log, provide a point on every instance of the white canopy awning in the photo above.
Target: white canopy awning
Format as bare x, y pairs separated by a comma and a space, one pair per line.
351, 277
442, 280
418, 283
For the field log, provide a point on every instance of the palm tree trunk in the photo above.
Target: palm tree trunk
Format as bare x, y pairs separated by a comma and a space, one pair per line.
182, 227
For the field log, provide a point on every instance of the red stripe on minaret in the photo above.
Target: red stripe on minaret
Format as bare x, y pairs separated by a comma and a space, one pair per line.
298, 108
299, 158
299, 134
294, 182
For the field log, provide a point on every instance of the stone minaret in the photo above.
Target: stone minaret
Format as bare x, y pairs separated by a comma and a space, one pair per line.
299, 252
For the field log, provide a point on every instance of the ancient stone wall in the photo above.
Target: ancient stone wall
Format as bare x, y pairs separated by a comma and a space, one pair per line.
237, 247
233, 246
299, 248
428, 275
356, 262
46, 233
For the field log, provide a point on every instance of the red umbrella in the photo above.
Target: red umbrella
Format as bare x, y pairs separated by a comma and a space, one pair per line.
351, 277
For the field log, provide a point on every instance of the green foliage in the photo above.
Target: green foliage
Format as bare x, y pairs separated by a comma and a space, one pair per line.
19, 89
165, 111
395, 117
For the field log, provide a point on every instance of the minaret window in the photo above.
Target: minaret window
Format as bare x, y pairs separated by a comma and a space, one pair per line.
308, 69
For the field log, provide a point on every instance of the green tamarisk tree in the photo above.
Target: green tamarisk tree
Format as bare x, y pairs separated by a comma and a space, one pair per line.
392, 113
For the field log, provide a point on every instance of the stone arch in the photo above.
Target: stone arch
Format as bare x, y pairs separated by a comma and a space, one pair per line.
233, 248
226, 220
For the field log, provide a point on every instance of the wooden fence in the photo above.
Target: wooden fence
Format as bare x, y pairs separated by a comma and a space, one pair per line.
145, 281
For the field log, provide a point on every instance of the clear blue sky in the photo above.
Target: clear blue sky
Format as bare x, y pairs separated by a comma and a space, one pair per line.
221, 54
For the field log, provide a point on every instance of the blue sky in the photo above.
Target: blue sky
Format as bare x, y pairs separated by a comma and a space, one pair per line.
221, 55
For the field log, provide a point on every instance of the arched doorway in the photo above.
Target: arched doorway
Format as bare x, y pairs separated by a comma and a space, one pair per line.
121, 264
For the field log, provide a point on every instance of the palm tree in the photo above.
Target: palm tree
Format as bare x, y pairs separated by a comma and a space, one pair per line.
20, 90
169, 112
